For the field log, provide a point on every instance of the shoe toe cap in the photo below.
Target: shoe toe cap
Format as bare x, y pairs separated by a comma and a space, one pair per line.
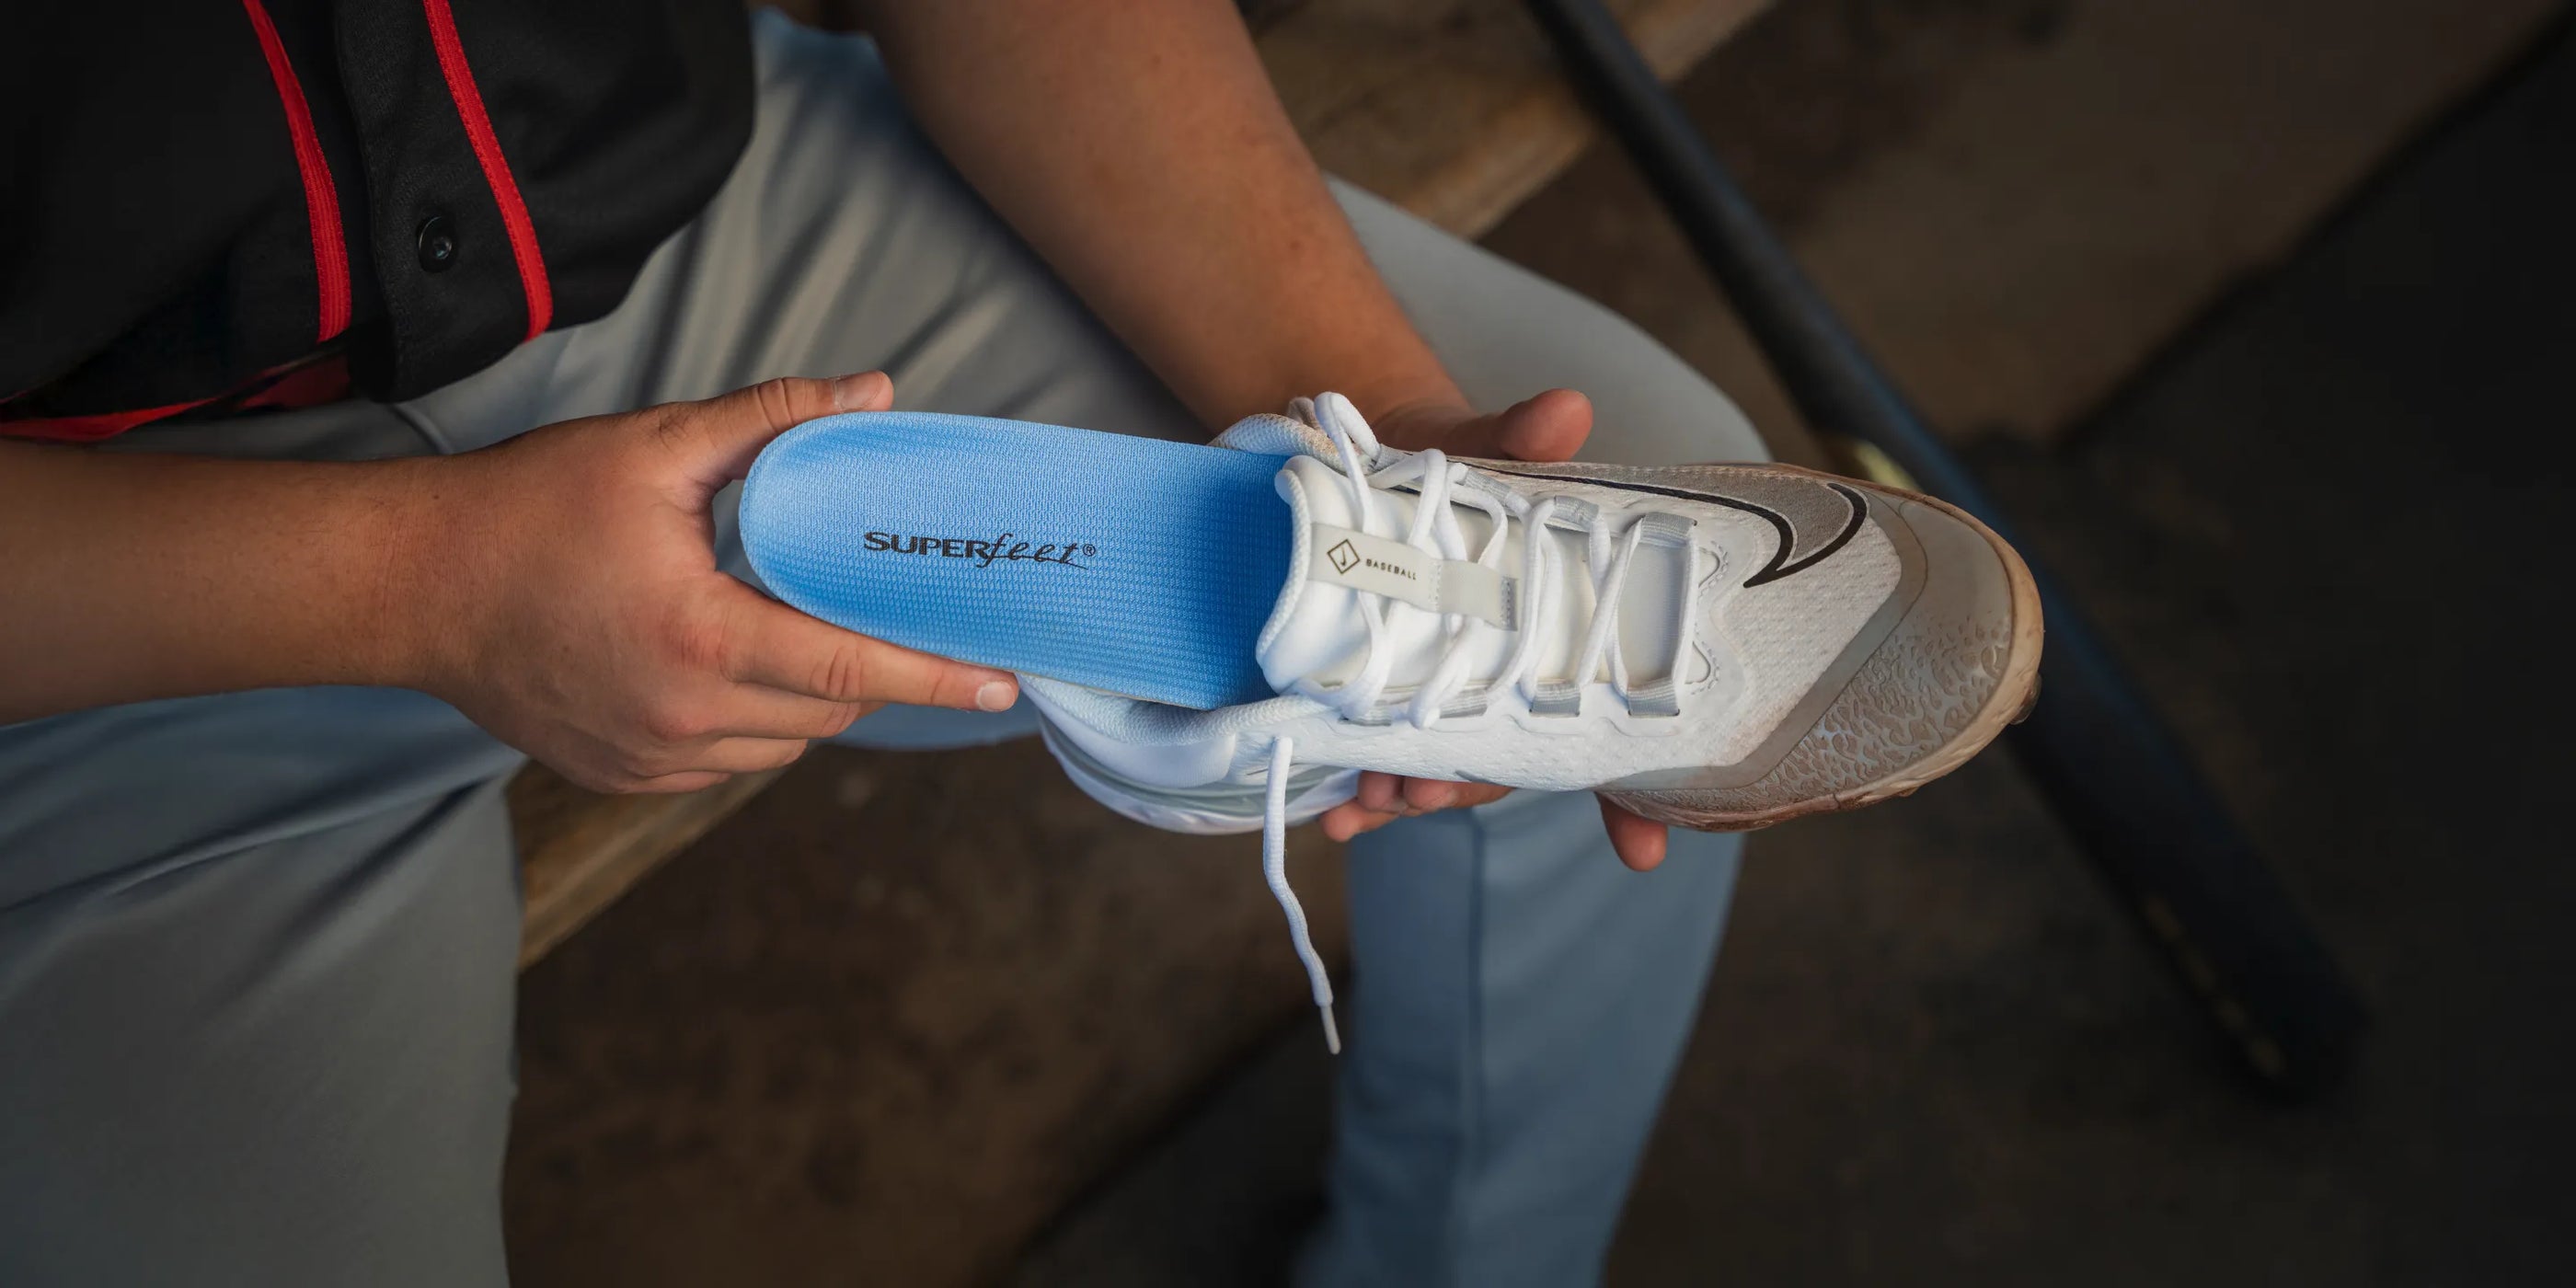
1955, 669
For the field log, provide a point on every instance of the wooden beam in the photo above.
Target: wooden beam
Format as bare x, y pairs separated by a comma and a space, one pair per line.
1454, 109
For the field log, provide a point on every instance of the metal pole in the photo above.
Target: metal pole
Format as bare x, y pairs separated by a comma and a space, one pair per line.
2115, 776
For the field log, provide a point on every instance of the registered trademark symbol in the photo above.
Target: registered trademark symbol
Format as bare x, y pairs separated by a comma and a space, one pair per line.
1089, 550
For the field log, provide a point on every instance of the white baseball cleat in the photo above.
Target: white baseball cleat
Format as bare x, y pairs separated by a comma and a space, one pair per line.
1712, 646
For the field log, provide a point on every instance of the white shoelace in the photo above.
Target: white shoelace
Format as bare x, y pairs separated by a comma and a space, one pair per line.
1435, 529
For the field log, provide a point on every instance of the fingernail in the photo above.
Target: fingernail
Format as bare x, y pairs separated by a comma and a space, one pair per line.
997, 695
855, 393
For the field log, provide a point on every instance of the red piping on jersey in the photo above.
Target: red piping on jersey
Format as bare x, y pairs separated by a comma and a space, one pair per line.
321, 200
91, 429
496, 169
311, 382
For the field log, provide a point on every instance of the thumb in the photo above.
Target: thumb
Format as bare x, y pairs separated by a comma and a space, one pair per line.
1547, 427
719, 436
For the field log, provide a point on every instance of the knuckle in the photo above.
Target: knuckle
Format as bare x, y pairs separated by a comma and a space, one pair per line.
662, 723
700, 640
776, 400
844, 673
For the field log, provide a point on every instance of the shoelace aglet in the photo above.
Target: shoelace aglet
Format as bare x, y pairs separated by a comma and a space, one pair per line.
1332, 1032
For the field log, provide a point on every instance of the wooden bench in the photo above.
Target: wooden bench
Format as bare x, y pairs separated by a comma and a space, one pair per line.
1451, 108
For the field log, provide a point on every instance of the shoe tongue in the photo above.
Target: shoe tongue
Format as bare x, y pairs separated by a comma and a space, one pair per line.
1323, 638
1318, 635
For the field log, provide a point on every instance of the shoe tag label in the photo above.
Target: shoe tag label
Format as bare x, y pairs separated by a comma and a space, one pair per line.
1379, 566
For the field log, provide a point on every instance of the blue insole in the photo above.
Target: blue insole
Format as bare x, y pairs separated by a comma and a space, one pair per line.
1133, 565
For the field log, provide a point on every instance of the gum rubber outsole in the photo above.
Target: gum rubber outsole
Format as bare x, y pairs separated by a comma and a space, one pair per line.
1131, 565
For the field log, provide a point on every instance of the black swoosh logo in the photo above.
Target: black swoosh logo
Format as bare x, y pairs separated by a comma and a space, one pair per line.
1781, 565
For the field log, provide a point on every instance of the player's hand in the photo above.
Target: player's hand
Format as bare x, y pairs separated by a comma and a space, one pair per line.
579, 614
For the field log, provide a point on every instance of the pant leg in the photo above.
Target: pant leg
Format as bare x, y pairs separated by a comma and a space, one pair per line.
1506, 333
277, 1063
1520, 1003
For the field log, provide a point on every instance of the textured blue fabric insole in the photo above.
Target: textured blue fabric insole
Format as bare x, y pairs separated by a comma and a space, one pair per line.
1133, 565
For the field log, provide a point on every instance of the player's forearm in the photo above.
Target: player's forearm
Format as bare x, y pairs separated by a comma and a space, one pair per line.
1138, 145
126, 577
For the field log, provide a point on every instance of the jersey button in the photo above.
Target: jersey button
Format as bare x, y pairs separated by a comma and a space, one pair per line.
437, 243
